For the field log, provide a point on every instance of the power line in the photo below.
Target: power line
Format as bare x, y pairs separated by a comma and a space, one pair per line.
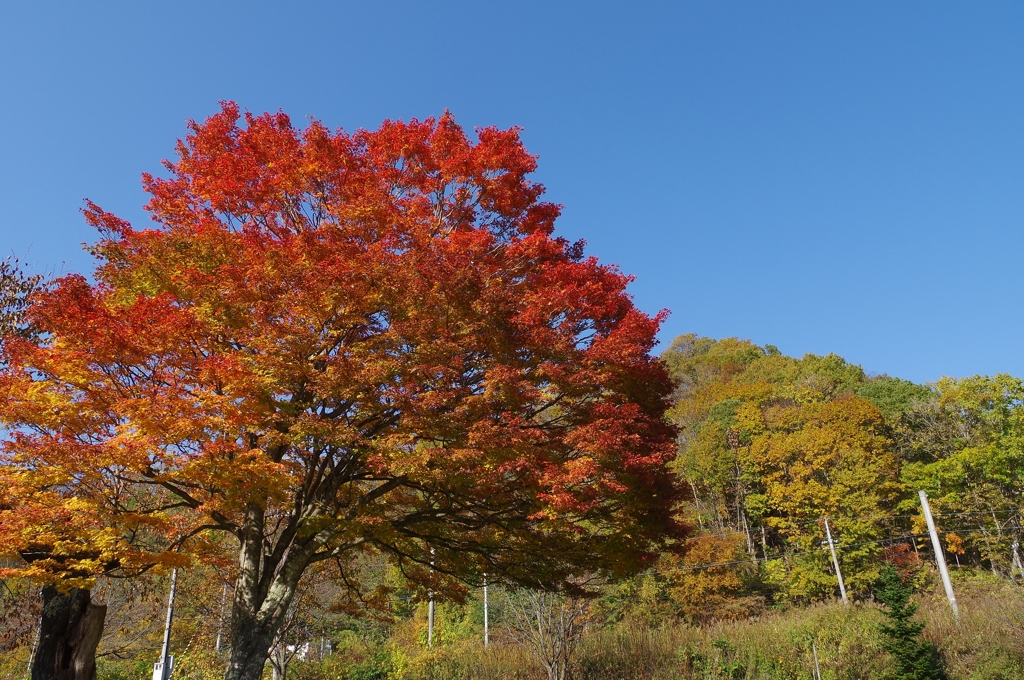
878, 518
778, 556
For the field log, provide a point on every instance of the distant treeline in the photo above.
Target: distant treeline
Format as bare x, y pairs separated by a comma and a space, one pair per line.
771, 446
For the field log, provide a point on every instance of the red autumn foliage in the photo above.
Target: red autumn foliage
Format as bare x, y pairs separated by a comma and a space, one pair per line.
335, 343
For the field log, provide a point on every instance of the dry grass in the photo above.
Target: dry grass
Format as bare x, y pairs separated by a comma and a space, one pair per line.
986, 644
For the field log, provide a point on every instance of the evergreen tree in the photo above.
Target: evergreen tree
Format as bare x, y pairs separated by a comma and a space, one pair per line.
916, 659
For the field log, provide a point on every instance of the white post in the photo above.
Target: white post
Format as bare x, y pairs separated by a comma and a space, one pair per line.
817, 668
162, 670
940, 558
220, 626
835, 562
35, 645
486, 631
430, 604
839, 574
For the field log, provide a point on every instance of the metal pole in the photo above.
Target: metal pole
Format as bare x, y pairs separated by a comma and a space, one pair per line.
223, 604
835, 562
35, 645
165, 669
486, 631
430, 620
817, 668
940, 559
430, 605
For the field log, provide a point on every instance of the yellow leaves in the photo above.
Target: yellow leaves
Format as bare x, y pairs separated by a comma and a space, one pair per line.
61, 539
980, 393
709, 592
751, 419
918, 524
813, 458
238, 475
954, 543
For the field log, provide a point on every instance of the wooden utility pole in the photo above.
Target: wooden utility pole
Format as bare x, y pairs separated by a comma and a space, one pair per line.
835, 562
940, 558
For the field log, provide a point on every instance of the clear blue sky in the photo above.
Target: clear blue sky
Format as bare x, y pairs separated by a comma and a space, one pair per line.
825, 177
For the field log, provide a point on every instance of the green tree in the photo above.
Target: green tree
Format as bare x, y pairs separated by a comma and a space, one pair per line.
966, 449
894, 396
916, 659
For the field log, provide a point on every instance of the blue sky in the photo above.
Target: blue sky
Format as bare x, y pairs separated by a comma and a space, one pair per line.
825, 177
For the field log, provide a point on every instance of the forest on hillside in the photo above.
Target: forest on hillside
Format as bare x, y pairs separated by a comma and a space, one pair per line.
770, 447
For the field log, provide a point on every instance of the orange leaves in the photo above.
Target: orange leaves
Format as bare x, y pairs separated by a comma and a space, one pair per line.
369, 337
704, 593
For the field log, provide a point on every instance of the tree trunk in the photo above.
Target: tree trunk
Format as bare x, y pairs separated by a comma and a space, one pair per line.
264, 589
68, 636
250, 648
263, 593
279, 659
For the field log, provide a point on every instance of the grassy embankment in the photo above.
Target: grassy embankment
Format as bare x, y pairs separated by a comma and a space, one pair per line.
988, 643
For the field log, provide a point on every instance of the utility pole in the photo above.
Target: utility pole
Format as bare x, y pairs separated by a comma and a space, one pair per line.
940, 558
220, 626
35, 646
165, 666
835, 562
486, 631
430, 604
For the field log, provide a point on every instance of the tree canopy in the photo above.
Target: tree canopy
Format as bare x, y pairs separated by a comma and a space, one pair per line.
772, 446
340, 343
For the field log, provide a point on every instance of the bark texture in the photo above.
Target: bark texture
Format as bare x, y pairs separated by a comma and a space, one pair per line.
250, 648
69, 634
264, 589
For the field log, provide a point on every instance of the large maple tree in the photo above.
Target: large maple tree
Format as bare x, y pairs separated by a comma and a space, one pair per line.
336, 343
